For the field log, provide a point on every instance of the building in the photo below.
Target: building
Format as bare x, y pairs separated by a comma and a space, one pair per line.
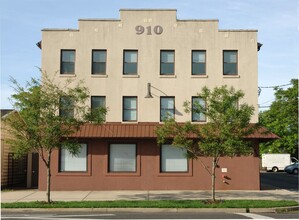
143, 66
16, 172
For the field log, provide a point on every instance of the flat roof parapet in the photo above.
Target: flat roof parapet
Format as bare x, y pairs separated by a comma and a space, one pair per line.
147, 9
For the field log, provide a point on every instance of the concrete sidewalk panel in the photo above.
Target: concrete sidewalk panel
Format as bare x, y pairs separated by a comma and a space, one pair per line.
179, 195
16, 195
116, 195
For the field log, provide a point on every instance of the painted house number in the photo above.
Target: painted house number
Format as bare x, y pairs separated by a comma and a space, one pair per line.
140, 30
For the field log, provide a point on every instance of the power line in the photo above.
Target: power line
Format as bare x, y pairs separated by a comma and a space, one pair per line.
271, 87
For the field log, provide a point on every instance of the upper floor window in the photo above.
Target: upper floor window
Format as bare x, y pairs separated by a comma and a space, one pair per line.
230, 62
167, 109
98, 102
130, 108
198, 62
196, 116
130, 62
99, 62
167, 62
66, 107
69, 162
67, 62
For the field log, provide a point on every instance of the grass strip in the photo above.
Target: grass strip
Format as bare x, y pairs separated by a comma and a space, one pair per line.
154, 204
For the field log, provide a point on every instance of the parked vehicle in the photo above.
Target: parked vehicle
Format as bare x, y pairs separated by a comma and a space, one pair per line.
277, 162
292, 169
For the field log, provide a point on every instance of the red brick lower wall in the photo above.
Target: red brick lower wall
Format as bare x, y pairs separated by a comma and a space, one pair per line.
242, 172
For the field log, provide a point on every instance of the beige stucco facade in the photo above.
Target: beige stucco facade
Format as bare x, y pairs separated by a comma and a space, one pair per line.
182, 36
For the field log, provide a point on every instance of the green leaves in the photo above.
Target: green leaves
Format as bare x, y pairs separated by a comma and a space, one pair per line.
222, 135
37, 125
282, 119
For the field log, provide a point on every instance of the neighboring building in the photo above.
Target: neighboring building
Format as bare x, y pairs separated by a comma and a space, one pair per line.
143, 67
16, 172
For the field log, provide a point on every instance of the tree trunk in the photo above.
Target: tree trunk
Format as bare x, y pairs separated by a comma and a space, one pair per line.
49, 178
214, 164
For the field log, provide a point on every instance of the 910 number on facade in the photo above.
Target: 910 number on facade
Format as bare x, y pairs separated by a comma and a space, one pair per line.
157, 30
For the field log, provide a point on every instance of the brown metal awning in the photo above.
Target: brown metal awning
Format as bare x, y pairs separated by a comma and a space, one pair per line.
144, 130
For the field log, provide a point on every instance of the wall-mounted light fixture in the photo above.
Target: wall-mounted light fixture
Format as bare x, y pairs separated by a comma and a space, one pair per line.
149, 94
39, 44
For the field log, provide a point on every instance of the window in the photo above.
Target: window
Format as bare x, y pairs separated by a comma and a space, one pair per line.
167, 109
130, 108
130, 62
98, 102
195, 115
66, 107
167, 62
67, 65
99, 62
230, 62
173, 159
198, 62
69, 162
122, 158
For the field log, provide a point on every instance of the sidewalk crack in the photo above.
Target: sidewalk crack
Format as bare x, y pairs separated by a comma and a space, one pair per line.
26, 196
87, 195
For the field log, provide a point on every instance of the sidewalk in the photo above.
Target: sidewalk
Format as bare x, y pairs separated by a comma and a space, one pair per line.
35, 195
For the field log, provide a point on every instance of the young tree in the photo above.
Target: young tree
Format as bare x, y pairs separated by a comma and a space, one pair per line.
223, 134
282, 119
47, 114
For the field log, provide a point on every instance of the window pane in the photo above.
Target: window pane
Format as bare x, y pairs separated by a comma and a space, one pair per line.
199, 57
167, 103
130, 115
67, 67
130, 68
122, 158
130, 103
167, 68
130, 108
69, 162
98, 68
167, 108
173, 159
165, 114
167, 63
97, 101
66, 107
99, 56
230, 56
230, 68
68, 56
167, 57
195, 115
198, 68
131, 56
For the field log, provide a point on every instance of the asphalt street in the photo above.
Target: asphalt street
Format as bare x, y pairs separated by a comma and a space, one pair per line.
142, 215
279, 180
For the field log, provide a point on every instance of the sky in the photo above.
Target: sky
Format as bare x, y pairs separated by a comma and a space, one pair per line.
276, 22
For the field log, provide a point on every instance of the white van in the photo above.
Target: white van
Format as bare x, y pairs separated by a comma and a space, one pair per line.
277, 162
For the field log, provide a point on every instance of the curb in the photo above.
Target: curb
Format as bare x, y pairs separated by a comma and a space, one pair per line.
287, 209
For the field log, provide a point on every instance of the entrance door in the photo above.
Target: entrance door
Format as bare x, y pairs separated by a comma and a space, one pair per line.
34, 176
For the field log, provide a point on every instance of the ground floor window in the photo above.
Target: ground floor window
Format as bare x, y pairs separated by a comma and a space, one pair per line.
69, 162
122, 158
173, 159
